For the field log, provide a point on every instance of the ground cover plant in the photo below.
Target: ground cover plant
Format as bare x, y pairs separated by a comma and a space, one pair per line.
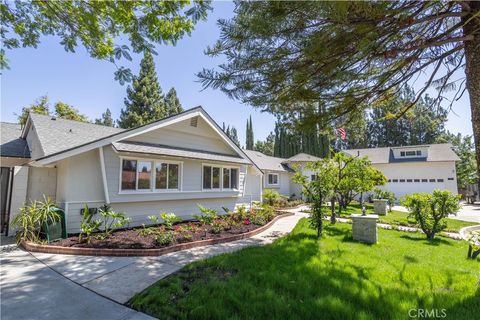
172, 230
300, 277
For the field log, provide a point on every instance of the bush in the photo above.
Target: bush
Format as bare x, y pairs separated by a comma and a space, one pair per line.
164, 238
88, 224
217, 227
169, 219
207, 215
33, 217
112, 220
270, 196
430, 210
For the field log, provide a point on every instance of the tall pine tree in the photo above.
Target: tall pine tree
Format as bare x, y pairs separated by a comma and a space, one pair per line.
144, 102
172, 103
249, 135
106, 119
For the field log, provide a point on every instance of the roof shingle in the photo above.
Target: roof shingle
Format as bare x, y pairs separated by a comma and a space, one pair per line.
11, 143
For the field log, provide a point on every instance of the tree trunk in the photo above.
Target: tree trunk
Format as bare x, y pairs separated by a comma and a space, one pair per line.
333, 218
472, 72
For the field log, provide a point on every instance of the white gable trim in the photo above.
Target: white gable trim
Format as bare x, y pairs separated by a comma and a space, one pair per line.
141, 130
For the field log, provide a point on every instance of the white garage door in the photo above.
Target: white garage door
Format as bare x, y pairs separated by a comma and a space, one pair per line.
403, 188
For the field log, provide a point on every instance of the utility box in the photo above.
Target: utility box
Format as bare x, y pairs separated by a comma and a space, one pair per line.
55, 230
364, 228
380, 207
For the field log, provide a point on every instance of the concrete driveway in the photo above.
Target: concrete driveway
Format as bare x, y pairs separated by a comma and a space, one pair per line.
32, 290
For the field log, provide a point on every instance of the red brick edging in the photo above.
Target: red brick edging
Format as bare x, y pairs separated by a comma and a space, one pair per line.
33, 247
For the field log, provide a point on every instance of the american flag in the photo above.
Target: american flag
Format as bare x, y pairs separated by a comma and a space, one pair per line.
342, 133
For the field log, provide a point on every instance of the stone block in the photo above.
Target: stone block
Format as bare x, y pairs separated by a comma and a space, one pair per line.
380, 206
364, 228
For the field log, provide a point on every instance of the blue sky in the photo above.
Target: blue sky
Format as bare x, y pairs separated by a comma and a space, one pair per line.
88, 84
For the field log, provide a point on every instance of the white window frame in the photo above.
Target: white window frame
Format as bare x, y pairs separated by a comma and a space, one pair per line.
152, 176
268, 179
221, 166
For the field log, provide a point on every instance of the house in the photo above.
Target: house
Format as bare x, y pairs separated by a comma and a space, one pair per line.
410, 169
171, 165
278, 172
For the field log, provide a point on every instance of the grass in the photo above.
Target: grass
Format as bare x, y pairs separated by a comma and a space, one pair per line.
300, 277
401, 218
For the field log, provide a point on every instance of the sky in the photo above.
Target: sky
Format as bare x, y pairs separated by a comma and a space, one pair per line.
88, 84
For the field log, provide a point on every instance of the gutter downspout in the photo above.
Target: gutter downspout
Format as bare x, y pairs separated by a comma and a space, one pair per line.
104, 175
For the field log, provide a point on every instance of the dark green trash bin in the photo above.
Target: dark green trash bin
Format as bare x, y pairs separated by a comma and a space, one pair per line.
58, 229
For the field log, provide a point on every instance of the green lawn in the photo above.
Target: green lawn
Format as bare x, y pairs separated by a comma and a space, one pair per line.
401, 218
299, 277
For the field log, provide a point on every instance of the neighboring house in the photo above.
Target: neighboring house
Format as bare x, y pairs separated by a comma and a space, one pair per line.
410, 169
170, 165
278, 172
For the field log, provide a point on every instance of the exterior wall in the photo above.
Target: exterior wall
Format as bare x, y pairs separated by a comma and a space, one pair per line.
283, 186
201, 137
419, 170
79, 178
19, 193
253, 185
41, 182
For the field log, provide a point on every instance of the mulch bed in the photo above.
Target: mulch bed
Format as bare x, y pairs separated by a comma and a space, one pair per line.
134, 239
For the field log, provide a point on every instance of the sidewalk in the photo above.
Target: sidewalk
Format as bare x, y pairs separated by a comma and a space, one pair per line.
119, 278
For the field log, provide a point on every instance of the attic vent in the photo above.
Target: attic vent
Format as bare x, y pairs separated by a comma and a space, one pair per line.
194, 121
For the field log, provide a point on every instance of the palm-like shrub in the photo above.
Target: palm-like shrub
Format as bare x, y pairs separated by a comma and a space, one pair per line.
430, 210
270, 196
33, 217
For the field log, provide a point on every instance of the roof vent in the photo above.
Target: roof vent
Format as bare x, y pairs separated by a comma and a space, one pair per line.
194, 122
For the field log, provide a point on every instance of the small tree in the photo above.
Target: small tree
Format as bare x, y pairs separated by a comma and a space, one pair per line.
430, 210
317, 190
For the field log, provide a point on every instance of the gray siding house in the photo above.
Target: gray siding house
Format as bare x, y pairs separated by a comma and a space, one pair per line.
168, 165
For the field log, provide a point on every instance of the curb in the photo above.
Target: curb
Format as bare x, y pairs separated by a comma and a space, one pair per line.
33, 247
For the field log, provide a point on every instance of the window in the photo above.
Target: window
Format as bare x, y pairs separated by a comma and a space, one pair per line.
402, 153
395, 180
272, 179
410, 153
416, 180
419, 152
439, 180
432, 180
389, 180
166, 175
129, 178
402, 180
313, 177
144, 175
220, 177
451, 179
424, 180
409, 180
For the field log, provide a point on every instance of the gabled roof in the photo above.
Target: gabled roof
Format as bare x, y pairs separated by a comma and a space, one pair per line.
302, 157
11, 145
56, 134
436, 152
100, 139
267, 163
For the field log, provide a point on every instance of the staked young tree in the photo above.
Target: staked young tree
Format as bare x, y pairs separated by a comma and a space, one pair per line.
144, 102
347, 55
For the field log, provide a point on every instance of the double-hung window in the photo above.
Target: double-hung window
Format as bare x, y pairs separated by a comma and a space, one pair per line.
145, 175
219, 177
273, 179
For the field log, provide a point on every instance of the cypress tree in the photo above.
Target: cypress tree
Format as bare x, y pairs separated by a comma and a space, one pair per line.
144, 102
172, 103
249, 135
106, 119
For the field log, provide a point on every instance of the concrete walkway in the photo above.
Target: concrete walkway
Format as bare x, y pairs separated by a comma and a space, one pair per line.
47, 286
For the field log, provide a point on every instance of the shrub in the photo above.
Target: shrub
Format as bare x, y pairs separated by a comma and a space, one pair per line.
112, 220
33, 217
267, 212
169, 219
88, 224
207, 215
430, 210
164, 238
270, 196
281, 202
217, 227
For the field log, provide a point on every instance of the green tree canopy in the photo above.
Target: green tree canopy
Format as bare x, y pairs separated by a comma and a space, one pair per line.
249, 135
106, 119
267, 146
99, 25
144, 102
172, 103
347, 54
61, 110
